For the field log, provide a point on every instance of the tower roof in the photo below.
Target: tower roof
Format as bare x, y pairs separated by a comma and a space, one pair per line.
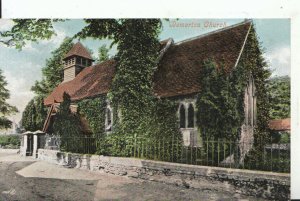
79, 50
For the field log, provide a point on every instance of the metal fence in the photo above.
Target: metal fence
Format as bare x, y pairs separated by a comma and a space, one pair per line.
83, 145
219, 153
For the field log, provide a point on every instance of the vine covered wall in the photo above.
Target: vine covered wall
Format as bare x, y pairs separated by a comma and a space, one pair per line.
94, 112
253, 62
222, 96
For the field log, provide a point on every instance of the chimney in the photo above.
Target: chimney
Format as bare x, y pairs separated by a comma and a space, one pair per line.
75, 61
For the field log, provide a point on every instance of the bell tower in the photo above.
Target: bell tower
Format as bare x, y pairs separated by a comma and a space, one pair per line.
75, 61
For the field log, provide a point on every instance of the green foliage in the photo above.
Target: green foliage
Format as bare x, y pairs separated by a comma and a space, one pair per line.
10, 140
67, 125
41, 112
131, 93
219, 114
94, 111
253, 61
279, 89
34, 115
27, 30
35, 112
103, 54
158, 131
28, 116
138, 47
5, 108
53, 71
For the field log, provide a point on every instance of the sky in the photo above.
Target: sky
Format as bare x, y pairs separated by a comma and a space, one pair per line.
23, 68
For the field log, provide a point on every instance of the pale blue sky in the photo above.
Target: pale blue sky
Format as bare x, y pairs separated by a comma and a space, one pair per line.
22, 68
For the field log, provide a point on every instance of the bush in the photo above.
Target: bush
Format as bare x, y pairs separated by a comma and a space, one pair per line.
10, 141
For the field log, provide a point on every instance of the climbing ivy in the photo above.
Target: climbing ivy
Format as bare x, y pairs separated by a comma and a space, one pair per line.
221, 100
132, 86
94, 111
219, 106
253, 62
222, 96
159, 131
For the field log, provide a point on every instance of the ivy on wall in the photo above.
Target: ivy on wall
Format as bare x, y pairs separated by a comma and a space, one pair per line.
158, 130
253, 62
220, 106
131, 93
94, 111
221, 100
222, 96
132, 85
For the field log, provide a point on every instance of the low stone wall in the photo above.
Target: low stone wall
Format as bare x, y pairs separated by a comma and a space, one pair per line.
255, 183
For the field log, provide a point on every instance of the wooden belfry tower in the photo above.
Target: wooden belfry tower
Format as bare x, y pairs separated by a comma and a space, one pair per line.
75, 60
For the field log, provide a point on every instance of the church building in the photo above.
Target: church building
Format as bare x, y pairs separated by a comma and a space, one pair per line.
177, 78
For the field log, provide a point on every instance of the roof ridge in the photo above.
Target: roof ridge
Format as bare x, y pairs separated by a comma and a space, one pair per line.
213, 32
78, 49
102, 62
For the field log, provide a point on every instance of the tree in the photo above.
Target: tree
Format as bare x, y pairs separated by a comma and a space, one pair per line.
26, 30
35, 112
53, 71
41, 112
5, 108
67, 123
34, 115
68, 126
28, 116
279, 89
103, 54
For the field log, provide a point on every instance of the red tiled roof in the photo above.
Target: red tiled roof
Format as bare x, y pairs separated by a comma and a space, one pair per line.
280, 124
91, 81
79, 50
178, 71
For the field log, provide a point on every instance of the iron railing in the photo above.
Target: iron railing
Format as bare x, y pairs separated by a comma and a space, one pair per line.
83, 145
220, 153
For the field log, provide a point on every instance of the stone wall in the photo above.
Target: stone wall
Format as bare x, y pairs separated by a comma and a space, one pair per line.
255, 183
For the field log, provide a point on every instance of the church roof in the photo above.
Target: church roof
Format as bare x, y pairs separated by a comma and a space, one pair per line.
78, 50
91, 81
178, 71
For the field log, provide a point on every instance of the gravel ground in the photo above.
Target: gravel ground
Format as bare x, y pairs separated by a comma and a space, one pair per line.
29, 180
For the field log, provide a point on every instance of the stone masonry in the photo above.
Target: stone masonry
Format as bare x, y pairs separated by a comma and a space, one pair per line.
255, 183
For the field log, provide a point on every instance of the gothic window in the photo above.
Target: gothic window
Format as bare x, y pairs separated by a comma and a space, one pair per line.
190, 116
182, 116
250, 103
108, 119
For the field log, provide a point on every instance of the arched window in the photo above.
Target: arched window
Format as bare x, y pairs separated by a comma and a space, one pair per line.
191, 116
250, 103
182, 116
108, 119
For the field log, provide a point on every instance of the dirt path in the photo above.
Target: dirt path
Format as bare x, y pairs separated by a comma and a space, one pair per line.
27, 179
